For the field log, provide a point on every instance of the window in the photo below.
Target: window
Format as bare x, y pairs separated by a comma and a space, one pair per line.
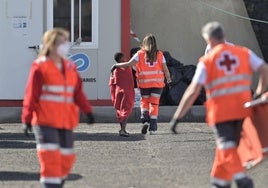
79, 17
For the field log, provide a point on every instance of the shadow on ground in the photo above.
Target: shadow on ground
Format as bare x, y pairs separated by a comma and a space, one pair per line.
10, 144
108, 137
20, 141
16, 140
16, 136
29, 176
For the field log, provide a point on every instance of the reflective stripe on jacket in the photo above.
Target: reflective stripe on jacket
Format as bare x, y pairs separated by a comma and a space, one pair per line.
56, 107
228, 83
150, 74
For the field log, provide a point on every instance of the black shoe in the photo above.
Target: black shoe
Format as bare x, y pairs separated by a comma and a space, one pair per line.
50, 185
144, 128
218, 186
153, 125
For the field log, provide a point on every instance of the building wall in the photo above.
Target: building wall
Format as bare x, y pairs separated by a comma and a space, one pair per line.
177, 25
258, 9
109, 42
17, 40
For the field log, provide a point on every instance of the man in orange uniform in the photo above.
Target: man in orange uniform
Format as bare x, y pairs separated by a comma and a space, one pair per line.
151, 69
53, 95
122, 93
226, 74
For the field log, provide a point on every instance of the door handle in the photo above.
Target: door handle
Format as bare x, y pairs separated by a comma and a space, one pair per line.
36, 47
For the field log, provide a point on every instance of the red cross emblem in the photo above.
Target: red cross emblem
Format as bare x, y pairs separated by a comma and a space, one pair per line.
227, 62
151, 63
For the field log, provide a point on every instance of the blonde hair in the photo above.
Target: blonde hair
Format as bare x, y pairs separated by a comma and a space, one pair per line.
49, 39
150, 47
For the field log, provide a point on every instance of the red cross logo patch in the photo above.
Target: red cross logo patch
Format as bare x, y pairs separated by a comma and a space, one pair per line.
151, 63
227, 62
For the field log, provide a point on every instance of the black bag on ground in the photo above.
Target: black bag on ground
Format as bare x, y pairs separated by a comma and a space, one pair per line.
181, 76
176, 92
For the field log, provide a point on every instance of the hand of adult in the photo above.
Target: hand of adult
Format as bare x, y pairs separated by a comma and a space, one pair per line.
173, 124
90, 118
27, 127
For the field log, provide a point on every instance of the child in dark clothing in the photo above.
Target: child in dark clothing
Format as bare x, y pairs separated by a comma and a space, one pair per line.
122, 93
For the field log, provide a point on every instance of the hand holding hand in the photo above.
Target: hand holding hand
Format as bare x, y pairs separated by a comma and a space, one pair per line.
113, 68
170, 84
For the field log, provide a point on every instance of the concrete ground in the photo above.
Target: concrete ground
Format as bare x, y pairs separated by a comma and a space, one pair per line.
105, 160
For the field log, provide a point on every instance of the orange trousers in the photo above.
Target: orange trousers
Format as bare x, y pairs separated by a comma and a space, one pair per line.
227, 164
55, 166
150, 98
55, 154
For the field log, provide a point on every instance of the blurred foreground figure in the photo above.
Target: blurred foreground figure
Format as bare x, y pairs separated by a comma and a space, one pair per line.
53, 95
226, 73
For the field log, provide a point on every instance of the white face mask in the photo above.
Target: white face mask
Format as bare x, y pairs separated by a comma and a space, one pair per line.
63, 49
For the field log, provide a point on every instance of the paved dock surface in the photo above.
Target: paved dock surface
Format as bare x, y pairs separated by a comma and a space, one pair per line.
105, 160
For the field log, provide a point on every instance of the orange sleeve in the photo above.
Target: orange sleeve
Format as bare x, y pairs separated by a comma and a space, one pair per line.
32, 93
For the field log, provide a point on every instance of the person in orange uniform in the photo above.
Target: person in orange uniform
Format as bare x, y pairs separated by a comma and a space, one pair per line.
53, 94
151, 69
225, 72
122, 93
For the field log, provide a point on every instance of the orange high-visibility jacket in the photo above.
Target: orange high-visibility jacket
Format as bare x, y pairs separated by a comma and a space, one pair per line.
228, 83
52, 97
150, 74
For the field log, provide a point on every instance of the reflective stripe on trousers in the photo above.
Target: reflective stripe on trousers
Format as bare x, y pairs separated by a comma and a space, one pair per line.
220, 182
223, 183
47, 146
51, 180
153, 117
67, 151
225, 145
239, 175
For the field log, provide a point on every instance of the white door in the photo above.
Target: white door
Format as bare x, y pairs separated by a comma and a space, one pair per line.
80, 18
21, 26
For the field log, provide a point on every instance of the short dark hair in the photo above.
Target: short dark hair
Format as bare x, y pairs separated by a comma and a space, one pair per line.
118, 56
133, 51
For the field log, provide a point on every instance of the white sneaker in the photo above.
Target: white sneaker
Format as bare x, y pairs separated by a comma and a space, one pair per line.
152, 132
